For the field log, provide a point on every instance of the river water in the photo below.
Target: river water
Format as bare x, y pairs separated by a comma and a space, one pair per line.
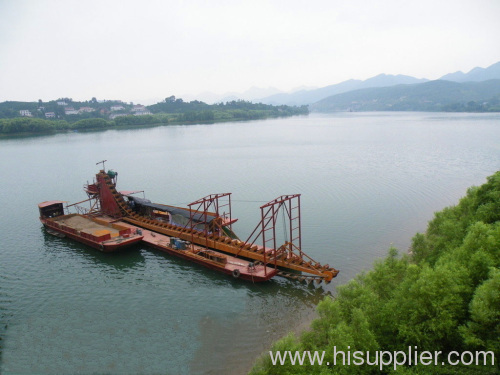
368, 180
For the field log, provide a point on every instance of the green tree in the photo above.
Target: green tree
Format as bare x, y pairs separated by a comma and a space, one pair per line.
483, 329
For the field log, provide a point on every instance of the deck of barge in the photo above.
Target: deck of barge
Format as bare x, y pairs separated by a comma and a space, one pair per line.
162, 242
84, 224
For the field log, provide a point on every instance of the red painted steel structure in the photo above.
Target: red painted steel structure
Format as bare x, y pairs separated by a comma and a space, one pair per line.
286, 204
199, 214
289, 204
288, 257
107, 200
212, 202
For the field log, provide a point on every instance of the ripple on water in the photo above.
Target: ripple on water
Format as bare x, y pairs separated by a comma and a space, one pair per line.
367, 180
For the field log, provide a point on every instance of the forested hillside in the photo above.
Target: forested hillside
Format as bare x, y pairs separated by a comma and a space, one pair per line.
442, 296
429, 96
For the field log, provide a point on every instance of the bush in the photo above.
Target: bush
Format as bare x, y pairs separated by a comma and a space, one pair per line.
91, 123
445, 296
30, 125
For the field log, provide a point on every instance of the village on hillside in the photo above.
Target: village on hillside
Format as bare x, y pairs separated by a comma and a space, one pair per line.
115, 109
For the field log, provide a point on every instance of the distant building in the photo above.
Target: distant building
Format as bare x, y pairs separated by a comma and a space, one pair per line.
70, 111
25, 113
50, 115
138, 108
117, 108
62, 103
142, 113
86, 109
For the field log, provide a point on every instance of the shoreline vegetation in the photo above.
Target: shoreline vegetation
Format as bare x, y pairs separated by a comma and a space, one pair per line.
32, 118
444, 295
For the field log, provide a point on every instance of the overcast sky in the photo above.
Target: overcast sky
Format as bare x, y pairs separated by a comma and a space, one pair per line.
138, 50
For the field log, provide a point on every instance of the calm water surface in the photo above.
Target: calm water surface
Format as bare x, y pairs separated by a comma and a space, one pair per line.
367, 181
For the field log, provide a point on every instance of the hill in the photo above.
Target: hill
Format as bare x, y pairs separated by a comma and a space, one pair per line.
382, 80
429, 96
443, 297
475, 75
311, 96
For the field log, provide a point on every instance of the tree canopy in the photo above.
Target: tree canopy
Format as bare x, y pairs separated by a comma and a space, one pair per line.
444, 296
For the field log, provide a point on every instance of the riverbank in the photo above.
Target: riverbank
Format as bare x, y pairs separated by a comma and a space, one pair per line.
36, 117
441, 297
32, 127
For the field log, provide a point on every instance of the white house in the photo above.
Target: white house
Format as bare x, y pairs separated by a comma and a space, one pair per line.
117, 108
141, 113
86, 109
25, 113
70, 111
138, 108
50, 115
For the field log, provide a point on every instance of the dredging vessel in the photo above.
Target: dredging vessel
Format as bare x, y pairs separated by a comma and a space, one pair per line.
202, 233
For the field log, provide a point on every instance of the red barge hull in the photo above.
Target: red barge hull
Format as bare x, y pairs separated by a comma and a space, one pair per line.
244, 275
99, 234
236, 267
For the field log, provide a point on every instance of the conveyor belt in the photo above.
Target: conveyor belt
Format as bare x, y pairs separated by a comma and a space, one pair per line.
289, 261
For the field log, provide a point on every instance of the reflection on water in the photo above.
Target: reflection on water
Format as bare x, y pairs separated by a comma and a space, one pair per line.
57, 247
367, 180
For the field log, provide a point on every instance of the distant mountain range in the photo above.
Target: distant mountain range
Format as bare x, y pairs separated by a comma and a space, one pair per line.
436, 95
327, 98
382, 80
312, 96
475, 75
